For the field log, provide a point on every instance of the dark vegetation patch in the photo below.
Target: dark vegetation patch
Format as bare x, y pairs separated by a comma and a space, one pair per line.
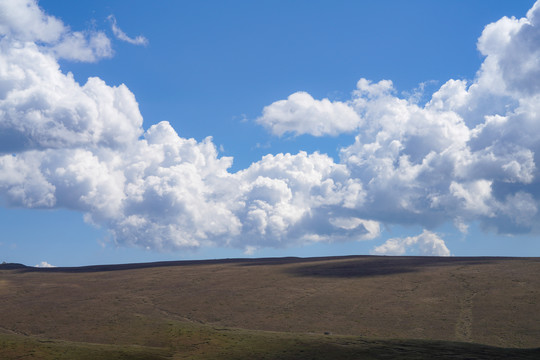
188, 341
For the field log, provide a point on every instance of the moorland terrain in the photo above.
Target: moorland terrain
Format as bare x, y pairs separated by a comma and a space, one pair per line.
355, 307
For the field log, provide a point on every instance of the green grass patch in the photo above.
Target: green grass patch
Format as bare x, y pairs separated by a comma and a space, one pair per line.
27, 347
197, 341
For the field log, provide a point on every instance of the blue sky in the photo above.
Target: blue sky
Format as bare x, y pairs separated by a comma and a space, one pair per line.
373, 168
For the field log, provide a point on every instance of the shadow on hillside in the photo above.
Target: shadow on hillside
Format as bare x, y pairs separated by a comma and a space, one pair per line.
385, 265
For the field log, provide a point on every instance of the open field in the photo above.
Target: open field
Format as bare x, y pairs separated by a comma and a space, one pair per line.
360, 307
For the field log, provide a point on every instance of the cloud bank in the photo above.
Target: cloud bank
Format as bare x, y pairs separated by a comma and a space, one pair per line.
468, 154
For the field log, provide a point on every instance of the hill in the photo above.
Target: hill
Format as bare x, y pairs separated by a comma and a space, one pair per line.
287, 308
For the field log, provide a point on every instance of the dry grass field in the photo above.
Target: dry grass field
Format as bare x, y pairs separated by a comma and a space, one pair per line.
357, 307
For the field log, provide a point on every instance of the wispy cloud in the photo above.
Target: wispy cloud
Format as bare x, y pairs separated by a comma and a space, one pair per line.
250, 250
138, 40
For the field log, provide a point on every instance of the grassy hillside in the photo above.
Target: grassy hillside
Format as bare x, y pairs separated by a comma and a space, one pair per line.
286, 308
188, 341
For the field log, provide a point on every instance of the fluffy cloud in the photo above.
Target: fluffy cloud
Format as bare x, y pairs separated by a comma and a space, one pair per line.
82, 147
44, 264
468, 154
302, 114
42, 108
471, 152
302, 197
427, 243
22, 21
511, 49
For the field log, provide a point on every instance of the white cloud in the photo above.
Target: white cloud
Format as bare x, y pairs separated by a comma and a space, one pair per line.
475, 196
302, 114
372, 228
427, 243
286, 198
139, 40
511, 49
25, 21
83, 46
44, 264
22, 21
468, 154
250, 250
461, 225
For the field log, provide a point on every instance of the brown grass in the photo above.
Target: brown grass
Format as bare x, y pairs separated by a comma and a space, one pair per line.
488, 301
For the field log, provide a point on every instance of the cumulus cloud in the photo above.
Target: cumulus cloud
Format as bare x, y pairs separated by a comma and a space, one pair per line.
44, 264
471, 152
302, 114
427, 243
468, 154
42, 108
23, 22
139, 40
82, 147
